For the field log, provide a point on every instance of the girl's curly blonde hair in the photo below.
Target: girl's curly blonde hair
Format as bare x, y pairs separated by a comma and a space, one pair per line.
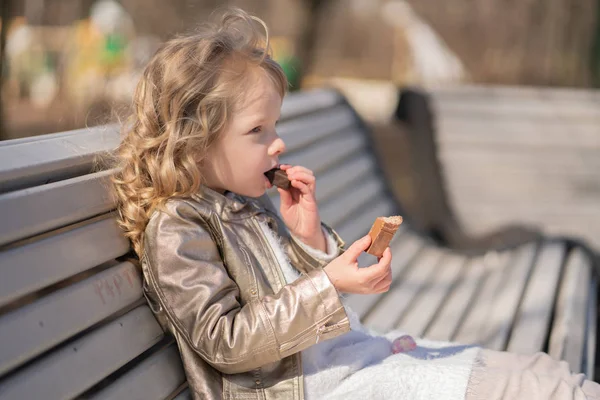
180, 106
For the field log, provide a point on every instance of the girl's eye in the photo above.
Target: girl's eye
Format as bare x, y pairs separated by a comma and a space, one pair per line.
256, 129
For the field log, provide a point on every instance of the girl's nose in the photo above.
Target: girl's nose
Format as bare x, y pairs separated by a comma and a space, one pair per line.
277, 147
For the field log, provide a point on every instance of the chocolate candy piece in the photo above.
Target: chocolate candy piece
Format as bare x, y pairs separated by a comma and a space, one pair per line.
382, 232
278, 178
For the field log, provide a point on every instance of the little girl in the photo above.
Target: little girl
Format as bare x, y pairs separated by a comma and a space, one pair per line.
252, 298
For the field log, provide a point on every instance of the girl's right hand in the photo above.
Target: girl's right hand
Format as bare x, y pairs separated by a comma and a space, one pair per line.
347, 277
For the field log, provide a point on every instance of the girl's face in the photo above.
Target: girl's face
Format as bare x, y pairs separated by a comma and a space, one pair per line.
249, 146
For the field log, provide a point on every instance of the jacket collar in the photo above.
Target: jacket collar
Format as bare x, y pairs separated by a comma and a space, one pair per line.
229, 204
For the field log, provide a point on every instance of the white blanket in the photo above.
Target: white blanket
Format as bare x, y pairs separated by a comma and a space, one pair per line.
360, 363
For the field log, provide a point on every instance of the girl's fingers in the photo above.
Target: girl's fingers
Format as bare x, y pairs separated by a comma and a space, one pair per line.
381, 269
301, 186
303, 177
299, 168
383, 285
296, 168
285, 198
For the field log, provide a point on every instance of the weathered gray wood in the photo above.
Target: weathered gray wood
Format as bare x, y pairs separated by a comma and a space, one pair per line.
404, 247
335, 179
474, 322
529, 330
513, 183
309, 101
550, 161
32, 266
589, 364
154, 378
506, 302
69, 370
534, 135
32, 211
37, 327
567, 338
480, 92
446, 322
53, 158
337, 209
329, 152
184, 395
397, 301
306, 130
431, 298
512, 108
526, 148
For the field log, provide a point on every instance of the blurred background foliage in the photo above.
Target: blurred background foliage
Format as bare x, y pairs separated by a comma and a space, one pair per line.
74, 63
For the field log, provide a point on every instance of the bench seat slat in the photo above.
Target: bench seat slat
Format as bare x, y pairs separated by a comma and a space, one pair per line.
405, 246
32, 266
529, 331
431, 298
567, 341
37, 327
506, 302
42, 208
446, 323
398, 300
589, 361
152, 379
69, 371
496, 274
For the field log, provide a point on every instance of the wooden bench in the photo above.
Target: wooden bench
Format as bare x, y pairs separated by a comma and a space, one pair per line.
519, 154
74, 322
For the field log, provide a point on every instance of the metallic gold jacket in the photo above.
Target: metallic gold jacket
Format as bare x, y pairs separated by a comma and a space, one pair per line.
213, 281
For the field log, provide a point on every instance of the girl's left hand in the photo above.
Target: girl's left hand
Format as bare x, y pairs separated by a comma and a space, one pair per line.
299, 208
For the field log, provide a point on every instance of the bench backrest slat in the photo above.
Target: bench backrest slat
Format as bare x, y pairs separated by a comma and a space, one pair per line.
78, 365
52, 158
37, 327
154, 378
567, 340
43, 208
33, 266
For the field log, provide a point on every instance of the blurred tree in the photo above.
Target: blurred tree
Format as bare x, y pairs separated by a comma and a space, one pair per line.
595, 59
308, 36
5, 9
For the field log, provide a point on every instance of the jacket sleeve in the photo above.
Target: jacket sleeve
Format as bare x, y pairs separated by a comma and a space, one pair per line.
316, 258
202, 302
